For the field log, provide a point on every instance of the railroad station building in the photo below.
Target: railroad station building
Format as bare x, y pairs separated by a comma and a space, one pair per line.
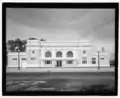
58, 54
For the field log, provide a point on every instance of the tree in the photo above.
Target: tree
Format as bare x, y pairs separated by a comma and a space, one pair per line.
42, 39
24, 42
12, 44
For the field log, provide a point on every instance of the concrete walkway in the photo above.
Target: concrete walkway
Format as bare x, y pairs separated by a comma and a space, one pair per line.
88, 69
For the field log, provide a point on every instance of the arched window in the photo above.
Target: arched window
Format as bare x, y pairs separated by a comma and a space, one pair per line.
59, 54
48, 54
69, 54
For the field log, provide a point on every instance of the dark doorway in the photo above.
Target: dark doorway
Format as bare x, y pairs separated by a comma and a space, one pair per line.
59, 63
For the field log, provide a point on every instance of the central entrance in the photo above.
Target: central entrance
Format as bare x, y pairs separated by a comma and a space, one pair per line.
59, 63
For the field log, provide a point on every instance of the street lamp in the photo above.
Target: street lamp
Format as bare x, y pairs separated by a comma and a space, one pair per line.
98, 58
18, 50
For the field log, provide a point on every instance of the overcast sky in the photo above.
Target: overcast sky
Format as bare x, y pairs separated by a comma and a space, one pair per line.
97, 25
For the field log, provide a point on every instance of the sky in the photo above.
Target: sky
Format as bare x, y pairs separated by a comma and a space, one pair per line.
96, 25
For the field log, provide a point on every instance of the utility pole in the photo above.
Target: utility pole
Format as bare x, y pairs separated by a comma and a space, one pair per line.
98, 59
18, 60
18, 50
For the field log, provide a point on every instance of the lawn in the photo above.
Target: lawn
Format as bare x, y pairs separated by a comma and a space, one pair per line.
82, 82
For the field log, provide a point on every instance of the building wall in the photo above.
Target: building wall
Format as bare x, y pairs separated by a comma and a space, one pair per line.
33, 53
12, 60
35, 56
104, 59
54, 50
15, 59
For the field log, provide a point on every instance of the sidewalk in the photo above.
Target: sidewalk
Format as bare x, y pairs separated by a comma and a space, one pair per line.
88, 69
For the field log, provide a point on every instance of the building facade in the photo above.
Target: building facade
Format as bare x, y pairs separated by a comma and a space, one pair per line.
58, 54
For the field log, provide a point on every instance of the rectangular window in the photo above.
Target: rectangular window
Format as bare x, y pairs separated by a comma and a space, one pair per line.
102, 58
33, 58
23, 58
70, 62
84, 60
93, 60
48, 62
14, 58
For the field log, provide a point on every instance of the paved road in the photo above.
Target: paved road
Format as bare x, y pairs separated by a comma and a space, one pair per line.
80, 69
59, 81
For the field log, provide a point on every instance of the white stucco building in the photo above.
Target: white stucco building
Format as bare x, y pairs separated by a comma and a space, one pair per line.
58, 54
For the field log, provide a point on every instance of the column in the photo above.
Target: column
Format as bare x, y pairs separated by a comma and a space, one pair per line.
64, 57
53, 57
54, 63
42, 58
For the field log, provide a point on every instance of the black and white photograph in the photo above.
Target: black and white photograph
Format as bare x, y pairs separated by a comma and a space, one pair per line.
60, 48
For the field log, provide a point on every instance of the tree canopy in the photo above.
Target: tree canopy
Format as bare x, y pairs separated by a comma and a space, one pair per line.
12, 44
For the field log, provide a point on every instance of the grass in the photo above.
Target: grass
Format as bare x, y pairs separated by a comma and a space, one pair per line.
79, 83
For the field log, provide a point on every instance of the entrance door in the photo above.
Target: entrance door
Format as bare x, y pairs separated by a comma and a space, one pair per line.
59, 63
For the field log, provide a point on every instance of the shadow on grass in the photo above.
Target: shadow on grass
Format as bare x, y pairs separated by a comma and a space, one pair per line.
98, 90
91, 90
